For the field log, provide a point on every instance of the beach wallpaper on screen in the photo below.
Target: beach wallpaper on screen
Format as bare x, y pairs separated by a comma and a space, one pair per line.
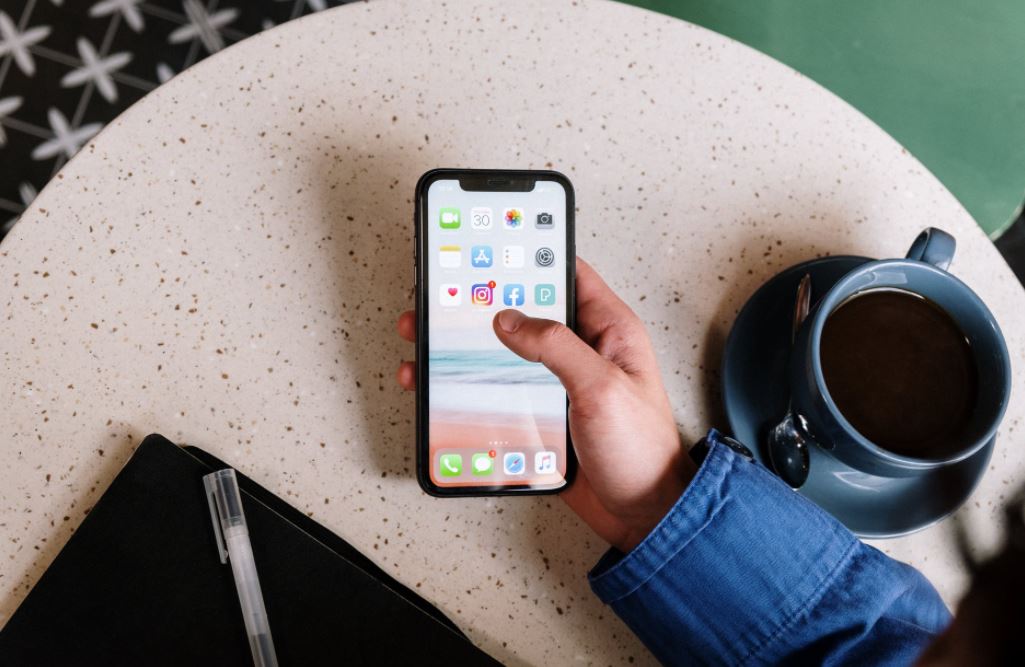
482, 398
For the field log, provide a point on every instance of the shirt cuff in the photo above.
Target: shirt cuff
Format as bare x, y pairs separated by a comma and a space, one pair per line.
717, 563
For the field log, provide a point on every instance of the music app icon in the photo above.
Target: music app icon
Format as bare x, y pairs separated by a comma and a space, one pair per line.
544, 463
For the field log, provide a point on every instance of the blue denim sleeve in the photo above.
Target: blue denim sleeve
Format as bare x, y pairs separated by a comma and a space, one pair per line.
744, 571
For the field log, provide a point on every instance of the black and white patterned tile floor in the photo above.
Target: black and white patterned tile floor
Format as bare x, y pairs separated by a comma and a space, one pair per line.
68, 67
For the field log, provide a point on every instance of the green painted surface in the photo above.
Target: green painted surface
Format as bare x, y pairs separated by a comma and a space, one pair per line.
946, 78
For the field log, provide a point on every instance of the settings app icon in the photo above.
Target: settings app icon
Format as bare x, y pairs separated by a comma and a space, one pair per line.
544, 257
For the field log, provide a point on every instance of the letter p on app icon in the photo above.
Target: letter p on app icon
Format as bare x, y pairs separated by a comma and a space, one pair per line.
544, 294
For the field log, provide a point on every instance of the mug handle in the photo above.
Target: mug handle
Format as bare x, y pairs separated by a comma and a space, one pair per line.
933, 246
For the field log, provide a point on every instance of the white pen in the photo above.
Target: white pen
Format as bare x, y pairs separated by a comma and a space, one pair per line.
233, 544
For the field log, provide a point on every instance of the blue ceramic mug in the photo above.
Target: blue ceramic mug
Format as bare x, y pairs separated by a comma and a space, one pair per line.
922, 272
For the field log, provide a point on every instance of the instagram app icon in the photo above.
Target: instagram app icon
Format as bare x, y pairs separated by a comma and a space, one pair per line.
483, 294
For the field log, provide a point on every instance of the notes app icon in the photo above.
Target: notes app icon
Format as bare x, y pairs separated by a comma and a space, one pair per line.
450, 256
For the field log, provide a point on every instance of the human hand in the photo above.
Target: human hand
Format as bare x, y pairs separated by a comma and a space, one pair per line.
632, 465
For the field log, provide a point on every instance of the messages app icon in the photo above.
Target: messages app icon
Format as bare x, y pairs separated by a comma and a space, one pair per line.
482, 464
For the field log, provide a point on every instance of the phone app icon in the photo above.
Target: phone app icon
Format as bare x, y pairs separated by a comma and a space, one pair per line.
514, 463
481, 257
482, 464
544, 221
449, 218
450, 465
544, 463
512, 256
450, 256
513, 295
481, 218
450, 295
544, 257
512, 218
483, 294
544, 294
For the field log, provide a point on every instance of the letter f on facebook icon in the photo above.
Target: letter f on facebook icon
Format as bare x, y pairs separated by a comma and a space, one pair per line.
512, 295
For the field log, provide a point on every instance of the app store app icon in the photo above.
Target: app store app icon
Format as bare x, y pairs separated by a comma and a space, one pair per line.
481, 257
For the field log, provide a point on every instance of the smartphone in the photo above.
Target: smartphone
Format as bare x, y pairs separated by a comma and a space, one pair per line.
487, 421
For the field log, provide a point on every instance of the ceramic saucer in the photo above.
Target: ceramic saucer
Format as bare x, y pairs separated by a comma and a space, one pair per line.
755, 394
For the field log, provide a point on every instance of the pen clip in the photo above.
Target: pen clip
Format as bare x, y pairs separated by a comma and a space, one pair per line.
210, 485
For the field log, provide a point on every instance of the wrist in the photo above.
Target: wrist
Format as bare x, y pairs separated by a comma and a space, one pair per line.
663, 496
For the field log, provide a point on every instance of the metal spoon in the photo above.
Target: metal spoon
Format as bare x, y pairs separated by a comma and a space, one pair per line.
789, 440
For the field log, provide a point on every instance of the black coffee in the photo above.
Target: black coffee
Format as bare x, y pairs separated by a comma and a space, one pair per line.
901, 372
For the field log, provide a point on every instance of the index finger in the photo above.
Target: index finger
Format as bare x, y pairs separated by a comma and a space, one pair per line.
598, 307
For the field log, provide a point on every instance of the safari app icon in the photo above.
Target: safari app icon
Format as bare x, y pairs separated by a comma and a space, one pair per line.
514, 463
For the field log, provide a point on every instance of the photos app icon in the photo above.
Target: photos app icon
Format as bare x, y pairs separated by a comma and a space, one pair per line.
512, 218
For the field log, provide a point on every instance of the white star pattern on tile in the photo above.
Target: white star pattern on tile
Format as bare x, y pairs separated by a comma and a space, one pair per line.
203, 25
59, 48
8, 105
27, 194
65, 139
164, 72
128, 9
17, 43
96, 69
315, 5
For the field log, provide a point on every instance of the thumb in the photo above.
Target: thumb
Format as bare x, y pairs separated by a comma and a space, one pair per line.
553, 344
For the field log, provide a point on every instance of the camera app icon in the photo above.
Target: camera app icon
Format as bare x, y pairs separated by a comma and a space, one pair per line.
483, 294
544, 221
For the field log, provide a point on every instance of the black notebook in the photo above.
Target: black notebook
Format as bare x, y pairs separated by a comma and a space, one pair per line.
140, 582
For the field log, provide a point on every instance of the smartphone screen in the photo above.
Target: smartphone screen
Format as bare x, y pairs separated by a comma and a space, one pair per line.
489, 421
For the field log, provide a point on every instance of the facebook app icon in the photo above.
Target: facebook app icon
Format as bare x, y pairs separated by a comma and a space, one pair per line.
513, 295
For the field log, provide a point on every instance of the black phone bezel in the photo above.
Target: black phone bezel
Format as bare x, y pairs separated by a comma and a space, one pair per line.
490, 180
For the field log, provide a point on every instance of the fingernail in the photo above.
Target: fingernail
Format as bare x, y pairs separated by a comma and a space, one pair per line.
510, 320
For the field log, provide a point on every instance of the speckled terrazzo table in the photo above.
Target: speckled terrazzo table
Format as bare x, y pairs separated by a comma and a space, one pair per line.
224, 265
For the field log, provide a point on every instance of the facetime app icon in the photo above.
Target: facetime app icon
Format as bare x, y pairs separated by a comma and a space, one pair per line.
449, 218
